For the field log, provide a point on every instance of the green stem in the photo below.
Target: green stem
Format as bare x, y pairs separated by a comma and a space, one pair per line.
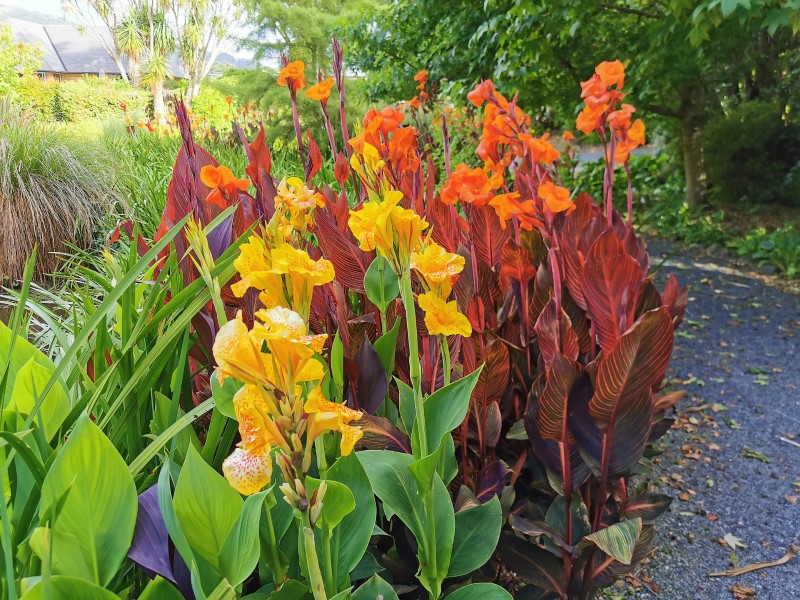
314, 573
445, 359
330, 584
413, 359
271, 549
322, 461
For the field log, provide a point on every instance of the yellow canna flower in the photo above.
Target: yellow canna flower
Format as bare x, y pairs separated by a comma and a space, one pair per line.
325, 415
367, 162
300, 274
391, 229
253, 261
285, 275
437, 268
238, 354
254, 409
442, 317
247, 471
291, 349
298, 200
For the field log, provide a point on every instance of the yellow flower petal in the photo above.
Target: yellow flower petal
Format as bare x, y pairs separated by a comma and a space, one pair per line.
248, 472
442, 317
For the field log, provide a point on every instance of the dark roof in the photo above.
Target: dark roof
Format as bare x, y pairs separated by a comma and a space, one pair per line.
68, 49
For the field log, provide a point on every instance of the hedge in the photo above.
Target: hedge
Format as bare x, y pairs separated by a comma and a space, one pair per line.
86, 98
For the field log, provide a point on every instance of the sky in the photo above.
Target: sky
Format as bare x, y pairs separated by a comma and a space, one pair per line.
48, 7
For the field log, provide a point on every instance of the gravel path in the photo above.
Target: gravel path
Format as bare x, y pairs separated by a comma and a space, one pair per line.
724, 463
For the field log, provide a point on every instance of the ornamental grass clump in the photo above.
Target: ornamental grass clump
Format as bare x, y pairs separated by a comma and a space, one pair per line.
52, 194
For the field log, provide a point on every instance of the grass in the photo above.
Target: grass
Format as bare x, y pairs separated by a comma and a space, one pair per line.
54, 192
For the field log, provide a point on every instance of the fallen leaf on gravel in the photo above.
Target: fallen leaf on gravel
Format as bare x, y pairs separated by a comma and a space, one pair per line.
714, 447
748, 452
732, 541
790, 554
712, 517
791, 499
742, 593
684, 497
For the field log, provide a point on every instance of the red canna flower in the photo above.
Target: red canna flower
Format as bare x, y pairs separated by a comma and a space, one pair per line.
403, 150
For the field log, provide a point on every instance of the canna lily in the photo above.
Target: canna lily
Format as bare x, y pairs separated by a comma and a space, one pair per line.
403, 150
386, 120
633, 138
320, 91
555, 197
224, 186
442, 317
248, 471
590, 117
611, 73
422, 79
238, 354
384, 225
540, 149
437, 268
472, 186
290, 359
482, 92
293, 75
325, 415
567, 136
293, 196
366, 160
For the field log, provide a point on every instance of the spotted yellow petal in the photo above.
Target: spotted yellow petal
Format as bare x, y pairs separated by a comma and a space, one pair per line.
248, 472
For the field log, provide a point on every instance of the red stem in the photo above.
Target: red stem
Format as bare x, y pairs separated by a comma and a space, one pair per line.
329, 129
297, 130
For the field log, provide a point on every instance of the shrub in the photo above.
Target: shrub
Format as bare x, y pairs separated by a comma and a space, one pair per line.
52, 193
99, 98
38, 97
752, 156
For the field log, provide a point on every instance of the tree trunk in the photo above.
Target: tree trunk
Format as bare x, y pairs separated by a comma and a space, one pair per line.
191, 91
159, 106
694, 171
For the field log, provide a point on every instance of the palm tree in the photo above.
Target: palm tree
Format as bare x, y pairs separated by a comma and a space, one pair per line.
131, 39
161, 41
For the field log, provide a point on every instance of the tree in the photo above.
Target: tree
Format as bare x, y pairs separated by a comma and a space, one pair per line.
17, 59
202, 27
686, 61
301, 29
160, 42
131, 39
98, 16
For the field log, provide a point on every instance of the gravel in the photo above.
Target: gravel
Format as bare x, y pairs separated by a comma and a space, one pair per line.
736, 353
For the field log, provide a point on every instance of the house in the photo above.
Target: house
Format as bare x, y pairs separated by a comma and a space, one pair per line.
70, 52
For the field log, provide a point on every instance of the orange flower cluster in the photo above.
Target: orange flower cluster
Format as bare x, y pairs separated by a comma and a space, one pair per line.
506, 140
603, 105
320, 91
396, 146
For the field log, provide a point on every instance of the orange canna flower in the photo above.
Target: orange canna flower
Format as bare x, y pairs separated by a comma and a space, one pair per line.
620, 119
482, 92
224, 186
472, 186
507, 207
567, 136
293, 74
611, 73
422, 79
414, 102
636, 132
541, 150
403, 150
387, 119
555, 197
320, 91
589, 118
